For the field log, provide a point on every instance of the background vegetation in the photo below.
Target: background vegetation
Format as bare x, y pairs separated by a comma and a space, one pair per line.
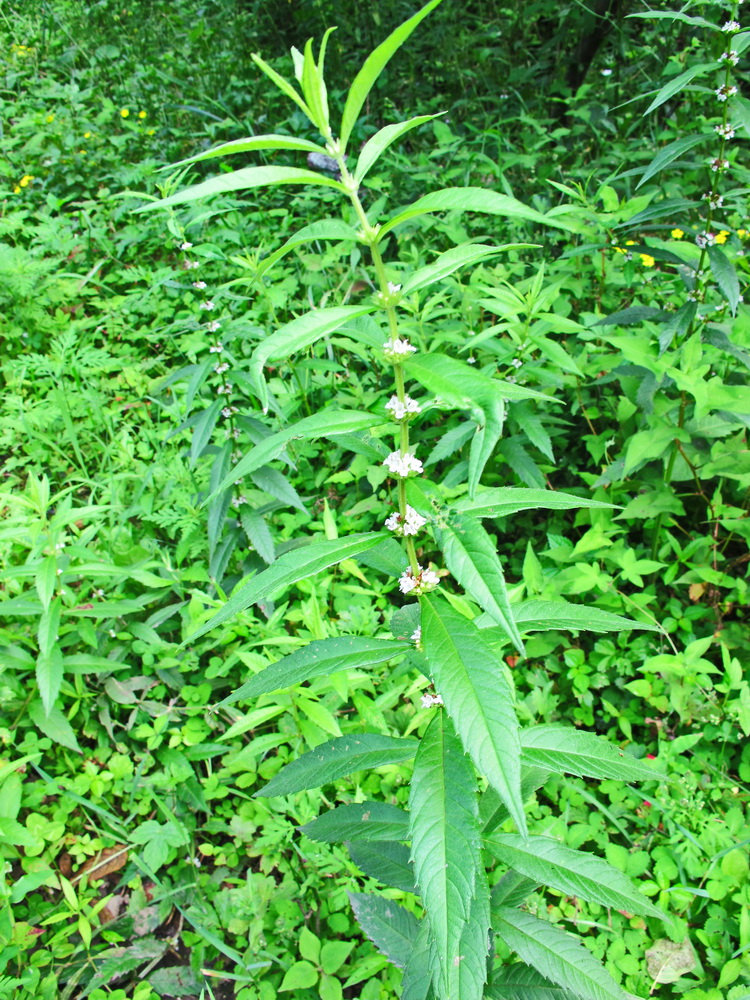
138, 862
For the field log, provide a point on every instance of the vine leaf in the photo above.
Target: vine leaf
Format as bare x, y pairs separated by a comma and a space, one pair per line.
471, 682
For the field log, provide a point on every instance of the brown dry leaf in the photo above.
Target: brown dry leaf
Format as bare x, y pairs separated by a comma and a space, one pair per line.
112, 909
695, 591
668, 961
108, 860
65, 864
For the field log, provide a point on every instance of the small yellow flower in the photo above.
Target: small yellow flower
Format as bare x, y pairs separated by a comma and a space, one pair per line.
16, 189
151, 131
86, 135
141, 114
722, 236
82, 152
50, 118
677, 234
124, 112
620, 250
26, 179
629, 243
742, 232
647, 259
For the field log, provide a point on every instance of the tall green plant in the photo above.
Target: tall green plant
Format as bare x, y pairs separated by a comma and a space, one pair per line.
474, 766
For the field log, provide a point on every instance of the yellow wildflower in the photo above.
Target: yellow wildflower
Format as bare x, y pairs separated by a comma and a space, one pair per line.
16, 190
26, 179
151, 131
722, 236
50, 118
677, 234
648, 260
629, 243
742, 232
124, 112
86, 135
620, 250
82, 152
141, 114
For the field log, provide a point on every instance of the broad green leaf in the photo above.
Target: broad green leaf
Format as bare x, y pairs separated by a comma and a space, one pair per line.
669, 154
470, 679
373, 67
471, 556
364, 821
567, 750
326, 229
250, 145
513, 450
484, 441
672, 15
539, 616
46, 580
576, 873
726, 277
459, 384
445, 840
468, 976
326, 423
377, 145
391, 928
299, 976
49, 676
417, 981
385, 860
556, 955
49, 623
336, 758
317, 659
244, 180
512, 890
53, 724
300, 333
677, 83
470, 199
297, 564
519, 982
504, 500
284, 86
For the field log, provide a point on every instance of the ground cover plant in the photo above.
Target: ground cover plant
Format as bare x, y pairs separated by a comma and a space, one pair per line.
251, 415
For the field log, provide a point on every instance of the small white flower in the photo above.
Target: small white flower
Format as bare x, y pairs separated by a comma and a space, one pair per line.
406, 582
726, 131
190, 265
213, 326
517, 363
471, 361
606, 72
200, 284
410, 524
403, 464
719, 164
224, 390
220, 369
431, 700
99, 592
716, 202
416, 636
402, 409
730, 27
731, 57
238, 501
425, 581
725, 91
398, 349
186, 246
393, 288
227, 411
208, 306
216, 349
236, 433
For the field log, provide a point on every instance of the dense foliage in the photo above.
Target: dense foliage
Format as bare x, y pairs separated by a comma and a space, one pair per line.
198, 463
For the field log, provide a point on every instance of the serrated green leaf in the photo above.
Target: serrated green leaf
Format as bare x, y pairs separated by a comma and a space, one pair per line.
669, 154
391, 928
49, 676
203, 428
512, 890
318, 659
445, 839
504, 500
556, 955
385, 860
297, 564
576, 873
244, 180
255, 527
364, 821
49, 623
46, 580
726, 277
376, 146
569, 751
417, 981
519, 982
471, 682
373, 66
337, 758
459, 385
492, 809
469, 974
471, 556
677, 83
451, 260
539, 616
484, 441
53, 724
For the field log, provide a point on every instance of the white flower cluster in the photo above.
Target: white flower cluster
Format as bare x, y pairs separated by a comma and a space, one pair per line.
228, 411
431, 700
216, 349
410, 524
393, 289
425, 581
396, 350
200, 285
731, 27
715, 201
238, 501
220, 369
719, 164
416, 637
517, 363
403, 464
725, 131
208, 306
724, 92
213, 326
402, 410
731, 57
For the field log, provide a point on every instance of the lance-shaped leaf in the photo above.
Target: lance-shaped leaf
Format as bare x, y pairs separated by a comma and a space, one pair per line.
391, 928
492, 809
373, 67
377, 145
327, 423
326, 229
726, 277
556, 955
484, 441
336, 758
459, 385
244, 180
539, 616
519, 982
284, 86
363, 821
417, 981
470, 199
677, 83
504, 500
570, 751
250, 145
445, 840
300, 333
386, 860
512, 890
318, 659
469, 974
471, 682
298, 564
471, 556
450, 261
669, 154
575, 873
